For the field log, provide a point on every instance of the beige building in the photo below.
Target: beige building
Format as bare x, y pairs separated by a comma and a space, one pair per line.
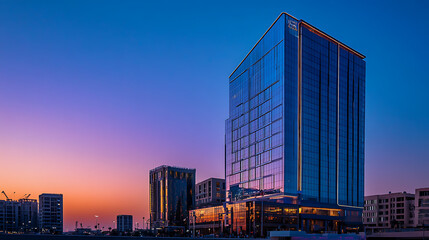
393, 210
210, 192
422, 207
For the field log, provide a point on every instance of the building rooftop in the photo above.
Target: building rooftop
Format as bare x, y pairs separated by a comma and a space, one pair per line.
389, 194
312, 28
212, 178
51, 194
177, 168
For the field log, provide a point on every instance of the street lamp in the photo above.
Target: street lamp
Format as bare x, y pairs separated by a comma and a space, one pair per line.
424, 228
96, 222
214, 222
193, 223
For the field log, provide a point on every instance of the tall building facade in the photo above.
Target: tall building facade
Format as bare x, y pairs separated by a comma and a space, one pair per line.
297, 118
172, 196
125, 223
28, 215
294, 139
210, 192
51, 213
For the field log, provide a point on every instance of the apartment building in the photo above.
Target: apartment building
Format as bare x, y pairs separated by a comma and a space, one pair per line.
393, 210
51, 213
210, 192
422, 207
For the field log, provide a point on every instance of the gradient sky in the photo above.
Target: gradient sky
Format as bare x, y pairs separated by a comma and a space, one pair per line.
93, 94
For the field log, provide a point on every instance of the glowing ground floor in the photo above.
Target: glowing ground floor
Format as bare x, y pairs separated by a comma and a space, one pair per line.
256, 217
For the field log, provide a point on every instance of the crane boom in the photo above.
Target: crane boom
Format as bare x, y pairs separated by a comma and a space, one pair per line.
7, 198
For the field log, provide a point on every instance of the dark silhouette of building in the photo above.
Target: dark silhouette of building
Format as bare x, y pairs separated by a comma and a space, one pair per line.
9, 216
51, 213
172, 196
125, 223
18, 216
28, 215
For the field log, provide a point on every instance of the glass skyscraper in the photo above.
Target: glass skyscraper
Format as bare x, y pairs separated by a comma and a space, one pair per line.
297, 118
294, 142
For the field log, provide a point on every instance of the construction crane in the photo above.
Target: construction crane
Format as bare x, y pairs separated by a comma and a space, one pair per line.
7, 198
26, 196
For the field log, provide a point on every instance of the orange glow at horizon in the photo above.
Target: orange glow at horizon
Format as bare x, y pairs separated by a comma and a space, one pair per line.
88, 189
100, 170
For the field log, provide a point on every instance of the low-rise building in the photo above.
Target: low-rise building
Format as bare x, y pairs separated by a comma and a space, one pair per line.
125, 223
210, 192
422, 207
393, 210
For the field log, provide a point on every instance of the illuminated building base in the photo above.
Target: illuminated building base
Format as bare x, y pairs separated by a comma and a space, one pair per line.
257, 216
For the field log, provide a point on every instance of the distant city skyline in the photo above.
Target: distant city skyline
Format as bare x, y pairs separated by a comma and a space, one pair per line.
95, 94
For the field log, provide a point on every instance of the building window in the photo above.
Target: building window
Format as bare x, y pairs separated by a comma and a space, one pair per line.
424, 193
